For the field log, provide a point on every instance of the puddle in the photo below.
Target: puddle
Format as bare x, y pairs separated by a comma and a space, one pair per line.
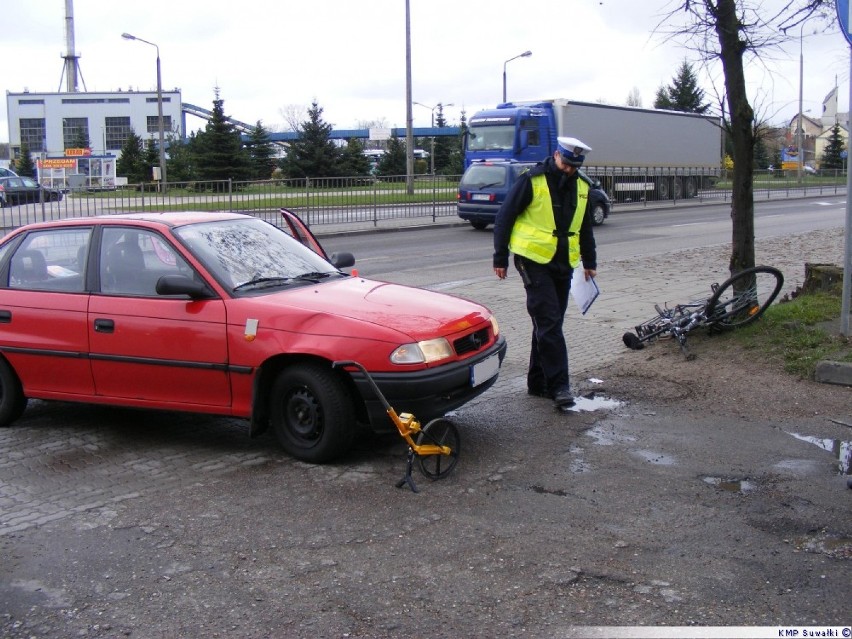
842, 450
593, 401
742, 486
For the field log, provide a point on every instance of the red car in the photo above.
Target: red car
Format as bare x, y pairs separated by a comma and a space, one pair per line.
227, 314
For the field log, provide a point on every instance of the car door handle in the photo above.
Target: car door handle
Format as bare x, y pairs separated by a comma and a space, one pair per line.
104, 326
5, 317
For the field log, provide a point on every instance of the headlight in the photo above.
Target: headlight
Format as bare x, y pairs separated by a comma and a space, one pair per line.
494, 326
431, 350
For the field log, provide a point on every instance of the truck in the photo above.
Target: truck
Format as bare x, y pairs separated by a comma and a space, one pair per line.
637, 154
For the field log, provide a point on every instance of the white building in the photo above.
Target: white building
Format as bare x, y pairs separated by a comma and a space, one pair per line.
51, 124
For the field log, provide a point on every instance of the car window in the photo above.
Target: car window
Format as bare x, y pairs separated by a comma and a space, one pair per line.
132, 260
238, 252
51, 260
480, 175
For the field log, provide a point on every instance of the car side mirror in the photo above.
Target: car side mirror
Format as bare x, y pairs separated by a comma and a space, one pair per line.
183, 285
342, 260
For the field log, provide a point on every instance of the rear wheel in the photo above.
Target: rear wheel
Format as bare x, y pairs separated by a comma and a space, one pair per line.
478, 225
664, 189
12, 400
311, 412
743, 298
690, 190
598, 214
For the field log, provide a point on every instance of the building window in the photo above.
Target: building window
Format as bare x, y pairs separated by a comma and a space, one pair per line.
116, 132
154, 123
165, 99
32, 133
75, 133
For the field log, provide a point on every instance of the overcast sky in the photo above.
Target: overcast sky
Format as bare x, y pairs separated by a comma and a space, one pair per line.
349, 55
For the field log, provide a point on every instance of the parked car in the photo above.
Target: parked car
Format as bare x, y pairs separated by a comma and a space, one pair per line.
484, 186
21, 190
225, 313
7, 172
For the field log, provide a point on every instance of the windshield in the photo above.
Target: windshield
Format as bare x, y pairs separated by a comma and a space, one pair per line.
491, 138
248, 254
481, 175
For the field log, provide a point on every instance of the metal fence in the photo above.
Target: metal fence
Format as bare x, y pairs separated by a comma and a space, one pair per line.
331, 204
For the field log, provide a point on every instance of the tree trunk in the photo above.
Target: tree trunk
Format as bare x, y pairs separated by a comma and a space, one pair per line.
732, 48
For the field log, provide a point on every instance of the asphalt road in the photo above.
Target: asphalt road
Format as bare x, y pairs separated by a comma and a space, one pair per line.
123, 523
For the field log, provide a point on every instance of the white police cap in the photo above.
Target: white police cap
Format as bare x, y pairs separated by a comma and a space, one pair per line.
572, 150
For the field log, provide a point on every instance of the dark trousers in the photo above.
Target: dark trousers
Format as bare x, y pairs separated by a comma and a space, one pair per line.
547, 287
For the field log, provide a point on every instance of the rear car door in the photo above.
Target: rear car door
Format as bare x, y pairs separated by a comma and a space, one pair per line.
43, 312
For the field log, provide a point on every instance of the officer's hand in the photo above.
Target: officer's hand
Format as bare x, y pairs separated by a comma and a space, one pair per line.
589, 273
501, 273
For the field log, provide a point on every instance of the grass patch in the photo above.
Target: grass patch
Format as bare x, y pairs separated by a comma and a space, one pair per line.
799, 333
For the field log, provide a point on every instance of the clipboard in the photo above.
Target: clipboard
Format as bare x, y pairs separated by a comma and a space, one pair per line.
584, 291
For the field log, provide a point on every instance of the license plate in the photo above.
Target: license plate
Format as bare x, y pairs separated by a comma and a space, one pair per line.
481, 197
482, 371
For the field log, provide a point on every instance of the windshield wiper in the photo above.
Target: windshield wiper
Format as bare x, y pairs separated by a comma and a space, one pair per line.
315, 276
263, 281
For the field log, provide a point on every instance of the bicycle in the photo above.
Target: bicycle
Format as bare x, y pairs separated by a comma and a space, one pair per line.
436, 447
738, 301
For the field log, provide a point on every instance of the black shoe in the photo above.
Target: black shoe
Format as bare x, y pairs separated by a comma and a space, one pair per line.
563, 399
538, 392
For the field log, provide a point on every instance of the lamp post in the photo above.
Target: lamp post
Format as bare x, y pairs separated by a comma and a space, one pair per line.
525, 54
160, 126
799, 132
432, 109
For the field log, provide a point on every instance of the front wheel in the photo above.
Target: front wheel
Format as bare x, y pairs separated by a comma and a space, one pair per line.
311, 412
743, 298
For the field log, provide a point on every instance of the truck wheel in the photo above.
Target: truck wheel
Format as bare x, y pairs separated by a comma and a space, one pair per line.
664, 190
677, 188
598, 215
690, 190
311, 412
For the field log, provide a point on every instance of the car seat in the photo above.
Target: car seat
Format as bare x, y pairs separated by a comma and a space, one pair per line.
28, 266
123, 268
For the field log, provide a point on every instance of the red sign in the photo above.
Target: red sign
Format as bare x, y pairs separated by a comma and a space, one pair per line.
57, 163
78, 152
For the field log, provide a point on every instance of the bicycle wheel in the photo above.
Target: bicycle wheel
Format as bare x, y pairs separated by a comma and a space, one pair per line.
743, 298
440, 432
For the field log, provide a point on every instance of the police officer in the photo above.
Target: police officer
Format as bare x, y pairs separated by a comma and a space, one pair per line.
544, 222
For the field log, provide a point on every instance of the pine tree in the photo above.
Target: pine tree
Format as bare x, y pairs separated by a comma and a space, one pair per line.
313, 154
394, 162
683, 94
354, 162
261, 153
219, 152
443, 146
150, 159
181, 160
24, 164
131, 164
832, 156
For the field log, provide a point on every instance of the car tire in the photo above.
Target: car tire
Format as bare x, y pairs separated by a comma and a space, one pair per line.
311, 412
479, 226
12, 399
598, 214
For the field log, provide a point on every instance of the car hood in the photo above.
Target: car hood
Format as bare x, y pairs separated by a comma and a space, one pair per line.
391, 309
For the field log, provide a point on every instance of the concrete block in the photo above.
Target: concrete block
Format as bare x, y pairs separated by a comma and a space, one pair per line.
829, 372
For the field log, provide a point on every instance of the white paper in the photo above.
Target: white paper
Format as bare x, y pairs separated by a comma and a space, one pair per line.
584, 291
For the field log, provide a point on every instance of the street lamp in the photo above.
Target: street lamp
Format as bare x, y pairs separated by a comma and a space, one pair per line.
525, 54
432, 109
799, 132
160, 126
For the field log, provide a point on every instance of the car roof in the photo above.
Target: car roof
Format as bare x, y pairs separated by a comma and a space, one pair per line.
166, 218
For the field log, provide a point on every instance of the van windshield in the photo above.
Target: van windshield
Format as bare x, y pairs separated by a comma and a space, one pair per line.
482, 175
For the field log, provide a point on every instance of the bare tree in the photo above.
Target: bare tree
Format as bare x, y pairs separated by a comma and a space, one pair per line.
634, 98
733, 31
294, 115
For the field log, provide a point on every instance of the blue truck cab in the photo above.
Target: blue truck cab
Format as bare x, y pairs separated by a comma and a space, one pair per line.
521, 133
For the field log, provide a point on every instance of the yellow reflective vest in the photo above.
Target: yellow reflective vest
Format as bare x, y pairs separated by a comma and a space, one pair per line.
533, 235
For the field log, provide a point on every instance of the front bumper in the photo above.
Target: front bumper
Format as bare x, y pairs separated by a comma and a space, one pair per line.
426, 394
